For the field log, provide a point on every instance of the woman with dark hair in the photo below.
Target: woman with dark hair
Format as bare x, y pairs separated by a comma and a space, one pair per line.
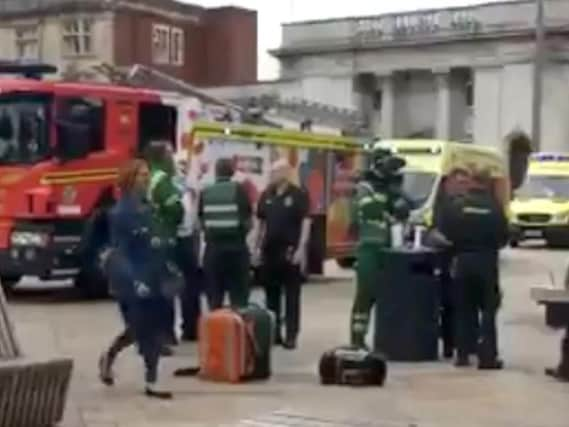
135, 268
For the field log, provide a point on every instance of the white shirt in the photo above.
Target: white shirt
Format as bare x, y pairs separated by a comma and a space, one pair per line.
189, 202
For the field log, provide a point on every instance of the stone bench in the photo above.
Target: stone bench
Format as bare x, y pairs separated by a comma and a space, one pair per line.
33, 391
556, 302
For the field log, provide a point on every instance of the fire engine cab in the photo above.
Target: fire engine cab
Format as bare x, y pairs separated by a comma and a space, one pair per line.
61, 145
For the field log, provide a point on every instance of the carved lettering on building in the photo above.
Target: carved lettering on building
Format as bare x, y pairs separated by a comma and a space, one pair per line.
417, 23
369, 29
463, 20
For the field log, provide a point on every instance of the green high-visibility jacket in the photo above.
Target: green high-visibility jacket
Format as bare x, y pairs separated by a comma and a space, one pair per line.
166, 201
224, 212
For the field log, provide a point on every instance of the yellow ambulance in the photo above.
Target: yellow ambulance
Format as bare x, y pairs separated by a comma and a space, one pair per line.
430, 165
540, 209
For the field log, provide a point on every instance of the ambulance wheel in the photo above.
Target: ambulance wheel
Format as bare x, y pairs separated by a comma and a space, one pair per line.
514, 243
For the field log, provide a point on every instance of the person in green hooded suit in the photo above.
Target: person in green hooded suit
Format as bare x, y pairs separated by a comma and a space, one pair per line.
379, 202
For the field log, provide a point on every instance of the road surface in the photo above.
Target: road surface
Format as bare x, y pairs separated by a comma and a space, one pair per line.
433, 394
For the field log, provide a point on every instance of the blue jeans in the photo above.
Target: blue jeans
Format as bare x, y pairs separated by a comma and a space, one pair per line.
143, 328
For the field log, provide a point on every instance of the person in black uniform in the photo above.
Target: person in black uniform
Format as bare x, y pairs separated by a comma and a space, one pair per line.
284, 229
455, 187
478, 228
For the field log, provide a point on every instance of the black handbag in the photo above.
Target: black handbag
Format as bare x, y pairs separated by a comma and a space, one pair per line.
172, 282
352, 366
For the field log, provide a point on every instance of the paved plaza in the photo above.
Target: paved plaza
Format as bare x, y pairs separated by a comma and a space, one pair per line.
421, 395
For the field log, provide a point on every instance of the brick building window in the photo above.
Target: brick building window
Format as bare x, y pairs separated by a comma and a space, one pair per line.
161, 44
177, 45
27, 42
78, 37
167, 45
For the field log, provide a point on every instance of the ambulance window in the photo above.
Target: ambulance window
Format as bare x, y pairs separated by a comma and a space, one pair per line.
157, 122
85, 112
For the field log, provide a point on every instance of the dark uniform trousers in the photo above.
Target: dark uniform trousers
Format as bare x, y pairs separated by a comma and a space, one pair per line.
563, 368
477, 291
448, 321
186, 258
227, 271
280, 274
447, 318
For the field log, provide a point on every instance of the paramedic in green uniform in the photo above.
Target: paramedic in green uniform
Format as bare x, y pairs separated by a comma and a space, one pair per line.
225, 214
377, 201
168, 212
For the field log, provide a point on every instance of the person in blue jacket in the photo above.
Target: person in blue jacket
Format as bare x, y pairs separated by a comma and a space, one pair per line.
135, 267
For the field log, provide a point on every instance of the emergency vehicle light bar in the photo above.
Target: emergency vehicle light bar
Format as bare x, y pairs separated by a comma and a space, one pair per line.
28, 70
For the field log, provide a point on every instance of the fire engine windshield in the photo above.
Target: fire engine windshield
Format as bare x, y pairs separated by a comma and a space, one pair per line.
24, 129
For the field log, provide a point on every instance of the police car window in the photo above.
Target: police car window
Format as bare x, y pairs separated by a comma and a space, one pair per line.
545, 186
89, 112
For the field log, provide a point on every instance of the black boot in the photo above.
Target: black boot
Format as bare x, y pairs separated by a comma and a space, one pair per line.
106, 370
557, 374
190, 337
448, 352
152, 392
491, 365
290, 343
561, 373
462, 361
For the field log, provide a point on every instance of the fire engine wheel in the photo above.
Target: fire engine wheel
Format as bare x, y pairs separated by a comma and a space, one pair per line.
9, 283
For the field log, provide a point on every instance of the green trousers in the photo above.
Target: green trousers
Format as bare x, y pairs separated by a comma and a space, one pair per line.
369, 264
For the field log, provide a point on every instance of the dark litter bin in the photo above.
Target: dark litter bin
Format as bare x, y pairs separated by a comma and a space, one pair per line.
407, 309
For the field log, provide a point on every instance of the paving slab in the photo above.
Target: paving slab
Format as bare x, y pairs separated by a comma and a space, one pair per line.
420, 395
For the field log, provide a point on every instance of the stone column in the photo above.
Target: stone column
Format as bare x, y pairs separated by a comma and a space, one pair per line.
443, 105
387, 122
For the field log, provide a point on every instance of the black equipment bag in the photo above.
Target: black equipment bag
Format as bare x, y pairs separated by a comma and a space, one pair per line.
352, 366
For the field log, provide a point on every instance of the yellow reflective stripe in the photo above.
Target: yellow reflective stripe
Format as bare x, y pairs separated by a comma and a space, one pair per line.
172, 200
262, 134
154, 181
373, 198
221, 223
77, 176
376, 222
476, 211
79, 180
220, 209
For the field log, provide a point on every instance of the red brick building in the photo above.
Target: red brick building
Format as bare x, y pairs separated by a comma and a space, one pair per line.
203, 46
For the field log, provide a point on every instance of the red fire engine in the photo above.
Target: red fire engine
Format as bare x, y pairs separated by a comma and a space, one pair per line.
61, 145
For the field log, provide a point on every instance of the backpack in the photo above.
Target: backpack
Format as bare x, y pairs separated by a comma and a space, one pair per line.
352, 366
